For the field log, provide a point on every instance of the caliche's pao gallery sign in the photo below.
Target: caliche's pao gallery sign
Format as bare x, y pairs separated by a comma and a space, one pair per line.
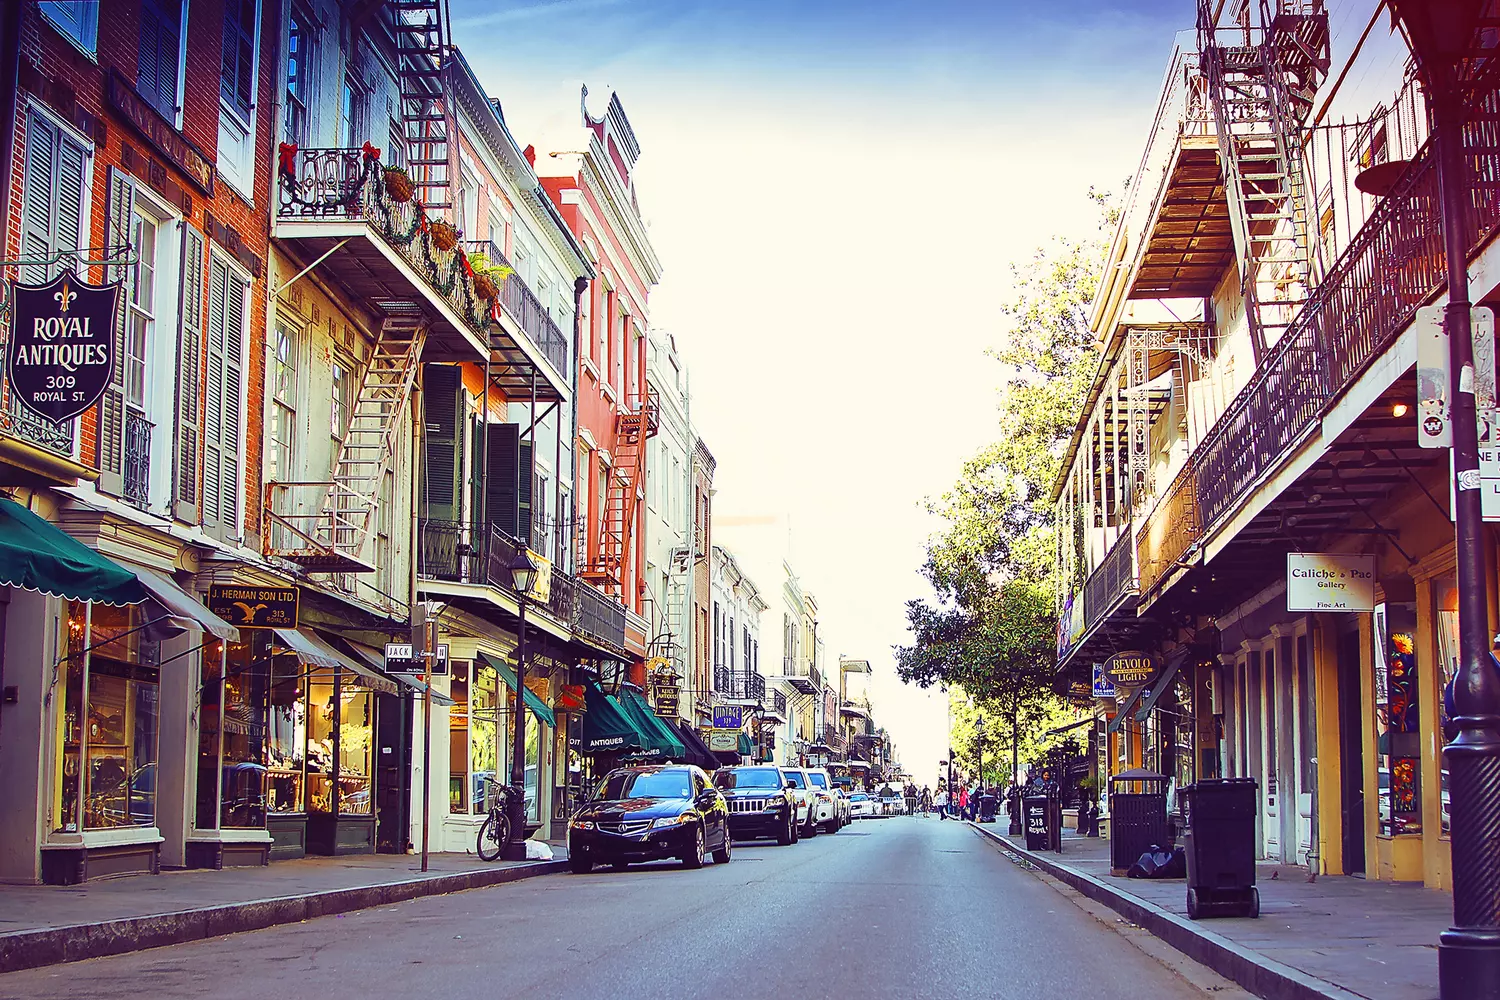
62, 345
1323, 581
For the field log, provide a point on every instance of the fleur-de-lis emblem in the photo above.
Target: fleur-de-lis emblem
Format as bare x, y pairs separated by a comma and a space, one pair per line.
65, 297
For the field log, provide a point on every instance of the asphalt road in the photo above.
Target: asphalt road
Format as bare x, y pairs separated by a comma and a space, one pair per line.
891, 908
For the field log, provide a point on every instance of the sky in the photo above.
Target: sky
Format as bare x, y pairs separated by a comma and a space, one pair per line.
837, 190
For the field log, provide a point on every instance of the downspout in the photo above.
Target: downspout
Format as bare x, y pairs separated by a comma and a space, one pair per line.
580, 285
10, 84
689, 592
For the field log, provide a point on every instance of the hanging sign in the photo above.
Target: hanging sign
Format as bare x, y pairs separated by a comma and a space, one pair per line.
723, 740
728, 717
1103, 687
1323, 581
1131, 668
667, 699
254, 607
405, 658
62, 346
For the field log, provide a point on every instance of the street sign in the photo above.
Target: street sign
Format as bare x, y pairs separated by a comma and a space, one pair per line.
62, 346
404, 658
728, 716
254, 607
1326, 581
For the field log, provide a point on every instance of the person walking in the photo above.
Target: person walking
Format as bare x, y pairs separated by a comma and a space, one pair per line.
940, 802
926, 800
963, 801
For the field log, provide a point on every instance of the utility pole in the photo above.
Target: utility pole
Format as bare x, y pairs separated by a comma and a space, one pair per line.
425, 639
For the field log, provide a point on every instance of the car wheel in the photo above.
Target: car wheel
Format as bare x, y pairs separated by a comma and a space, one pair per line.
694, 856
788, 836
721, 856
581, 864
812, 827
796, 830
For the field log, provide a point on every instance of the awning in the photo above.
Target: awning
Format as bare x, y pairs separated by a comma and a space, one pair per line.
1163, 683
746, 747
605, 728
37, 555
183, 609
313, 650
377, 662
508, 677
1123, 712
658, 735
1070, 726
697, 751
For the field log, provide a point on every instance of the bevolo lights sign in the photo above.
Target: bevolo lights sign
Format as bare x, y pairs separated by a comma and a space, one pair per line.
1324, 581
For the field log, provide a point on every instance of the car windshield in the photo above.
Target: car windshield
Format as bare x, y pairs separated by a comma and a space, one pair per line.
796, 779
820, 780
748, 777
859, 797
646, 784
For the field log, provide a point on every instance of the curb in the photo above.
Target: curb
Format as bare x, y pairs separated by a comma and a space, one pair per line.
1265, 977
75, 942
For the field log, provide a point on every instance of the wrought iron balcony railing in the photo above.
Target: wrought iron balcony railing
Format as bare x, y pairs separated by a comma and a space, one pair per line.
739, 684
521, 303
459, 552
1112, 582
778, 703
16, 419
137, 465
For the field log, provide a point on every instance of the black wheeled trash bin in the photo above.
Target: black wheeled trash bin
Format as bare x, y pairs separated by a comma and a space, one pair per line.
987, 806
1036, 809
1219, 840
1137, 816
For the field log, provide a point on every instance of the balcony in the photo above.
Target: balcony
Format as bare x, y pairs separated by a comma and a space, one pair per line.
335, 210
526, 311
740, 685
801, 675
36, 452
776, 706
857, 707
137, 465
599, 618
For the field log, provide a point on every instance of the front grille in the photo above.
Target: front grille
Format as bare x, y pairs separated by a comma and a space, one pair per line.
626, 828
747, 805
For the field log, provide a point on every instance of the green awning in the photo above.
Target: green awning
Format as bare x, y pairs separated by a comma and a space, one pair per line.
746, 747
1160, 687
606, 729
508, 677
37, 555
659, 737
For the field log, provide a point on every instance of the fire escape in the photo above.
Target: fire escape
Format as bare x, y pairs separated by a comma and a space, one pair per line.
421, 43
633, 428
1264, 65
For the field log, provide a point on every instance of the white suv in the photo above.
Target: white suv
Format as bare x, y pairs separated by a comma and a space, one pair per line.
807, 799
829, 810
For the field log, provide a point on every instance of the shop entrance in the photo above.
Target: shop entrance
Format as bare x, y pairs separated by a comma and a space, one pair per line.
1351, 754
393, 735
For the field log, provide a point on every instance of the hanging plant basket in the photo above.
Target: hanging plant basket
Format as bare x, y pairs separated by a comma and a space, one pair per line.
444, 236
398, 185
485, 288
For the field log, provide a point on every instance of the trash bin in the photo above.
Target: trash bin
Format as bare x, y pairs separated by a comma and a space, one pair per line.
1038, 812
1219, 841
1137, 816
987, 806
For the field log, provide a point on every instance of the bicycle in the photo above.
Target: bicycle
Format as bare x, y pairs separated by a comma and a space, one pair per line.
494, 833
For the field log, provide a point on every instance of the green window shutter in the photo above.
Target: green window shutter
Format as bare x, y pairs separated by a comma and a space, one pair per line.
160, 46
443, 402
187, 446
526, 482
507, 488
120, 215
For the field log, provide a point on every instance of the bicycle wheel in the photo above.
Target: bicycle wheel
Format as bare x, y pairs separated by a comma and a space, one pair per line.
492, 836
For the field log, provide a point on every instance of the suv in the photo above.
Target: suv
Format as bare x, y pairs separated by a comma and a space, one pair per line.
828, 809
806, 797
762, 802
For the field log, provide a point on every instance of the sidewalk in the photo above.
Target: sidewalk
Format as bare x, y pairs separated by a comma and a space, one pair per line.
43, 925
1338, 937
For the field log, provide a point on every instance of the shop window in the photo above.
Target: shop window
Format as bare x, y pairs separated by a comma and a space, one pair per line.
458, 741
1397, 726
473, 746
339, 738
232, 735
109, 722
1445, 597
286, 738
210, 695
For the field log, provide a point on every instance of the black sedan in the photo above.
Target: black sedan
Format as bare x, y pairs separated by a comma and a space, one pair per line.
761, 802
649, 813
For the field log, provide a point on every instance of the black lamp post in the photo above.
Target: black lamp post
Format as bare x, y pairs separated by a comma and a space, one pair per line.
1441, 35
522, 575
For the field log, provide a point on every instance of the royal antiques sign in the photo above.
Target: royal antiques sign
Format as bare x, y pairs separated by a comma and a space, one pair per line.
1131, 669
62, 347
254, 607
1323, 581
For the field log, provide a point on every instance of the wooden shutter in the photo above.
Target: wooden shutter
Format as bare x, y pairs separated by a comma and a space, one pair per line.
160, 46
221, 424
186, 447
443, 401
507, 489
526, 483
120, 216
38, 223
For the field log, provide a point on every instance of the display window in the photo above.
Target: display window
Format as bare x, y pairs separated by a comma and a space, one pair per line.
286, 737
232, 731
473, 751
106, 777
340, 740
1397, 720
1445, 632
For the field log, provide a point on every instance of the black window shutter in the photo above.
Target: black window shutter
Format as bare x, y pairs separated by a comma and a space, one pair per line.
501, 496
526, 480
443, 401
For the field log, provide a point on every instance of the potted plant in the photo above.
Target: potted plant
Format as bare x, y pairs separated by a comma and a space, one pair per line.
487, 276
398, 185
444, 236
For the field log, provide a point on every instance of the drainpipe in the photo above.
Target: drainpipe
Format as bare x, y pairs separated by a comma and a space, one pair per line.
689, 592
580, 285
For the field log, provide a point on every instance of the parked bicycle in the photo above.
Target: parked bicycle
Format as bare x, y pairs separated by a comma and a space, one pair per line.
494, 834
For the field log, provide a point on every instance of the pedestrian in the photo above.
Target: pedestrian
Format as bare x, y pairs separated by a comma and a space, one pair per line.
926, 800
963, 801
940, 802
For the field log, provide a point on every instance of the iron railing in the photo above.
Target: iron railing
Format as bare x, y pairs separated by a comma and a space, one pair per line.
137, 465
16, 419
778, 703
1112, 581
1170, 531
597, 616
460, 552
522, 304
739, 684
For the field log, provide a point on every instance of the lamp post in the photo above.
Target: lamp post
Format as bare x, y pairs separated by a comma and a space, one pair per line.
1441, 36
522, 575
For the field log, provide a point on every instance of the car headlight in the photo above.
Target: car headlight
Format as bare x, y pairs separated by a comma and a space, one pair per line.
670, 821
774, 805
582, 824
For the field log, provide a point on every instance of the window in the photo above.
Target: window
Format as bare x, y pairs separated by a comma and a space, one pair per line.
158, 72
354, 108
385, 519
228, 296
232, 734
301, 74
142, 311
78, 19
540, 526
560, 539
472, 739
284, 407
286, 741
602, 321
340, 727
237, 75
343, 392
497, 233
395, 153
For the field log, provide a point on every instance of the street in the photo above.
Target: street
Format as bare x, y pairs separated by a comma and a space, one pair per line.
892, 908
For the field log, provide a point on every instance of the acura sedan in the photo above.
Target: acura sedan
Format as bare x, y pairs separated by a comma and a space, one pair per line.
650, 813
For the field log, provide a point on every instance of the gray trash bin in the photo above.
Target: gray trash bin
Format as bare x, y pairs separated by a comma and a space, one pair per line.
1219, 841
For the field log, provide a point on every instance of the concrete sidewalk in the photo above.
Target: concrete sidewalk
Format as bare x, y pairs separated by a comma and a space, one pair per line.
1336, 937
43, 925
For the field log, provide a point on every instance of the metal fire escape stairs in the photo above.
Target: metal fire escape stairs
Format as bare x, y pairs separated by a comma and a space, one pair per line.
633, 428
421, 33
1262, 77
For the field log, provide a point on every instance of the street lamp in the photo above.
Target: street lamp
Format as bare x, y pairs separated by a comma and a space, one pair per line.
1441, 36
522, 576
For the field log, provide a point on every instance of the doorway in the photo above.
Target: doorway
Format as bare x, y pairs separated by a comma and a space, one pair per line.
1351, 754
393, 722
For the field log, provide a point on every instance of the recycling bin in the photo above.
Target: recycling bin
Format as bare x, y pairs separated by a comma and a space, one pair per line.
1037, 810
1137, 816
1219, 841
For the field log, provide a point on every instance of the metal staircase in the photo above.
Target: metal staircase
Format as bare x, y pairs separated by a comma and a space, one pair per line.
1263, 65
632, 430
420, 29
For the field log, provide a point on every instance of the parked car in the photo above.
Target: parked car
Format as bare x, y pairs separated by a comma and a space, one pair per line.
861, 806
649, 813
762, 802
806, 800
830, 808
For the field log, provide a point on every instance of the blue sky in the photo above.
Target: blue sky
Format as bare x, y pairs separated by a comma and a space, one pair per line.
836, 191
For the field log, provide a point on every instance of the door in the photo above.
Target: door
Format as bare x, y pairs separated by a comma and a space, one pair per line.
1307, 748
1351, 755
1287, 748
393, 720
